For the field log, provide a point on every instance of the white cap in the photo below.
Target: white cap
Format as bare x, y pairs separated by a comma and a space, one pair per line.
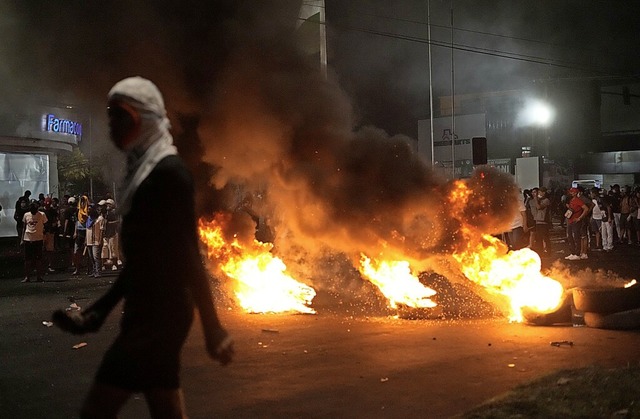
110, 201
102, 202
72, 200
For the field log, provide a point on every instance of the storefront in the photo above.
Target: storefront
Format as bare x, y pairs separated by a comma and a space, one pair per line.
30, 142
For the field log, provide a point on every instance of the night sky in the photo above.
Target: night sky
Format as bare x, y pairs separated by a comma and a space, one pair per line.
379, 49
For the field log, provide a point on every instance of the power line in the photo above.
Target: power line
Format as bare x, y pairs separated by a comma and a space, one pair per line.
484, 51
458, 29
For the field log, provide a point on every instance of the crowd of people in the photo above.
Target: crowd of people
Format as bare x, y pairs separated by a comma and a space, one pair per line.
83, 231
594, 219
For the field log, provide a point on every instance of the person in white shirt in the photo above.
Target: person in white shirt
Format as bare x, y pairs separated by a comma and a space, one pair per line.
597, 214
33, 241
519, 227
95, 232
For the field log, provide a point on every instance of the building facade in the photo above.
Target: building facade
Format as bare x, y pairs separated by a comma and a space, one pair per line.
594, 132
31, 139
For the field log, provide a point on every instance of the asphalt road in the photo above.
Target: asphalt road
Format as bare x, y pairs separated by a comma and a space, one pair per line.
342, 362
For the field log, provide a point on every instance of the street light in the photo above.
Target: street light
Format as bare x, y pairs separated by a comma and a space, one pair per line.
541, 114
537, 113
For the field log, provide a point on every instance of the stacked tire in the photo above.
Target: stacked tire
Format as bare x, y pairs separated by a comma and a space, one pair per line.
561, 315
609, 308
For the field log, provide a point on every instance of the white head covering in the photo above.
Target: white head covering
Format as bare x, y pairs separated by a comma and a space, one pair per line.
154, 142
146, 95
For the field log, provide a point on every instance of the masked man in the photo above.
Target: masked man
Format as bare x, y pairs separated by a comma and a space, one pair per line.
160, 285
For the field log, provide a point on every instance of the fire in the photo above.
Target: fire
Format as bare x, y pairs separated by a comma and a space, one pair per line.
515, 275
459, 195
397, 283
261, 284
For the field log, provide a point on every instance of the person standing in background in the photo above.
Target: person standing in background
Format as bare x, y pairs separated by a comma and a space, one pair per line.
597, 216
542, 218
68, 221
519, 227
50, 231
33, 238
95, 232
576, 211
80, 237
110, 250
21, 208
635, 214
607, 222
584, 229
625, 219
616, 198
530, 204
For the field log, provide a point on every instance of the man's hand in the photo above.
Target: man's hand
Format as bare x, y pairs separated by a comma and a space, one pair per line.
220, 346
76, 322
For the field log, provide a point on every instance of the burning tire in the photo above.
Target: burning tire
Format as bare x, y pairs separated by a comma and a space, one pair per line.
624, 320
606, 300
561, 315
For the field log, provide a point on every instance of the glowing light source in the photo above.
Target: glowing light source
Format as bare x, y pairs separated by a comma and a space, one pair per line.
541, 114
536, 112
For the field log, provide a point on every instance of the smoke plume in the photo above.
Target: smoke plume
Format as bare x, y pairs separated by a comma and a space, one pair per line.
251, 113
278, 124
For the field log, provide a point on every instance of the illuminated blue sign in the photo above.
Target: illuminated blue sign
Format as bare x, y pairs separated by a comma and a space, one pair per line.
62, 126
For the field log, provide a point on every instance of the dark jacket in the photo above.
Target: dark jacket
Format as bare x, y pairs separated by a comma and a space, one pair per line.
163, 276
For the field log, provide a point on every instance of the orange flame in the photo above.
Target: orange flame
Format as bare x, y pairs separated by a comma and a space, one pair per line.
460, 192
397, 283
261, 284
515, 275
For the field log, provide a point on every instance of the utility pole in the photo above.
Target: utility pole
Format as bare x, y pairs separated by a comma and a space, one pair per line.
312, 12
433, 159
453, 113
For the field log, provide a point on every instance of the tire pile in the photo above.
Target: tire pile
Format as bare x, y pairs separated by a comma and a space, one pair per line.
609, 308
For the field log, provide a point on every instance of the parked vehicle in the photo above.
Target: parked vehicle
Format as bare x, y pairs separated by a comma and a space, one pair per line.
586, 183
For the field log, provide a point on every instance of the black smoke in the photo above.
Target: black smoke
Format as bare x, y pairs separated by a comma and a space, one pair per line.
248, 109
